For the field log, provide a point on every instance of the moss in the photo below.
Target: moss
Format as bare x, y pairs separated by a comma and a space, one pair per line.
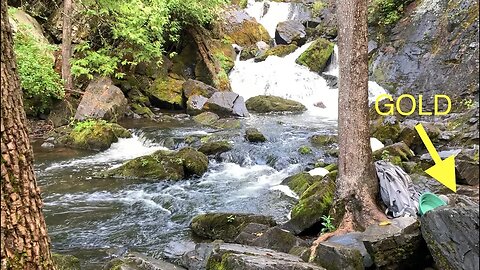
254, 135
142, 110
300, 182
227, 124
206, 118
265, 104
168, 91
305, 150
322, 140
66, 262
385, 129
212, 148
396, 153
317, 55
195, 163
331, 167
280, 51
249, 33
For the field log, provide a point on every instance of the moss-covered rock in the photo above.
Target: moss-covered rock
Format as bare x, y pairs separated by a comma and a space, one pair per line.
386, 129
66, 262
206, 118
305, 150
164, 165
167, 92
395, 153
142, 110
313, 204
225, 226
322, 140
93, 135
254, 135
317, 55
217, 147
265, 104
280, 51
300, 182
239, 28
213, 120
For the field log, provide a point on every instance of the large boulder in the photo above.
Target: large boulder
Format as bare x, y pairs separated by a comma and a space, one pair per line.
62, 112
138, 261
213, 120
266, 104
81, 25
317, 55
273, 238
195, 104
253, 135
226, 104
242, 29
164, 165
93, 135
312, 205
225, 226
398, 245
452, 236
300, 182
239, 257
102, 100
197, 88
467, 167
167, 92
20, 18
216, 147
289, 32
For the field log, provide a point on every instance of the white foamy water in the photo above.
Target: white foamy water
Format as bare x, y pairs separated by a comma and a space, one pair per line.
124, 149
275, 13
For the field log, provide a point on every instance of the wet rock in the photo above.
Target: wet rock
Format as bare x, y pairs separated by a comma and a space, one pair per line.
254, 135
289, 32
265, 104
225, 226
206, 118
313, 204
396, 246
254, 51
452, 236
332, 81
300, 182
467, 167
167, 92
93, 135
66, 262
242, 29
164, 165
212, 120
47, 145
226, 104
386, 129
273, 238
197, 88
280, 51
239, 257
137, 261
102, 100
317, 55
227, 123
195, 104
322, 140
251, 232
353, 240
214, 148
338, 257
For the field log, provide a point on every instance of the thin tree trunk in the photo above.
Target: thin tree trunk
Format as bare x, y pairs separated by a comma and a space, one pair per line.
67, 45
24, 240
354, 205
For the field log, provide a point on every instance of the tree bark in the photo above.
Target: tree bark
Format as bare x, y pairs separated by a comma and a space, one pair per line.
67, 45
24, 240
356, 186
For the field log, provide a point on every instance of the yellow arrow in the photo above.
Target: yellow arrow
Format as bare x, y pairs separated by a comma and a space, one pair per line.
443, 170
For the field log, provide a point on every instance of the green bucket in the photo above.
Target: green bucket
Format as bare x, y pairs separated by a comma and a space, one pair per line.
429, 201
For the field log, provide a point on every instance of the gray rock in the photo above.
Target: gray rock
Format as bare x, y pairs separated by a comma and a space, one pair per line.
213, 148
334, 256
467, 167
251, 232
226, 104
273, 238
47, 145
197, 88
195, 104
137, 261
102, 100
290, 31
452, 236
61, 113
239, 257
353, 240
396, 246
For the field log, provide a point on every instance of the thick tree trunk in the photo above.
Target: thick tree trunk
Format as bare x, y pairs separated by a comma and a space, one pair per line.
357, 185
67, 45
24, 240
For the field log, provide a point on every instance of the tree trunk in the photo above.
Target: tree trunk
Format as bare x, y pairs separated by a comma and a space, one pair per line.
356, 186
24, 240
67, 45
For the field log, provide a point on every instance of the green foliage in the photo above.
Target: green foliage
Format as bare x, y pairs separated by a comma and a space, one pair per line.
385, 12
230, 219
327, 224
132, 31
243, 3
385, 155
81, 125
469, 103
305, 150
38, 79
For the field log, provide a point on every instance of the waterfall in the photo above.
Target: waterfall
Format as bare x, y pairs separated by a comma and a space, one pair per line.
333, 67
269, 14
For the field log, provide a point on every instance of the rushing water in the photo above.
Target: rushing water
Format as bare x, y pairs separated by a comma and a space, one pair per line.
99, 218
